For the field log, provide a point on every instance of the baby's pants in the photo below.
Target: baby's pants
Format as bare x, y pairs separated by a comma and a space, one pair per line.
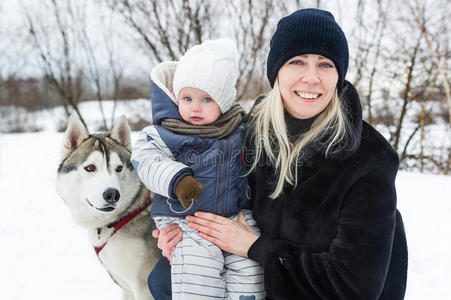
201, 270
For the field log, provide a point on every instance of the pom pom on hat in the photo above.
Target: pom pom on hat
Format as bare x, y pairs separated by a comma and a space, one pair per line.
212, 67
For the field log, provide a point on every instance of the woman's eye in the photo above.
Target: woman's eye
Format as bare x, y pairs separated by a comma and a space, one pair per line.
326, 65
119, 169
208, 99
295, 62
90, 168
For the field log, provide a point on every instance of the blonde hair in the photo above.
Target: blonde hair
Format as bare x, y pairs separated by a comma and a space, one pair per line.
269, 135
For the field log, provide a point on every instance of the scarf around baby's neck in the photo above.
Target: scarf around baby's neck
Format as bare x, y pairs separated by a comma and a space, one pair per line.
219, 129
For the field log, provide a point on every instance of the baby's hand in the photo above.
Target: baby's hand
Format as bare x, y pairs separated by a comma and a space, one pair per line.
187, 189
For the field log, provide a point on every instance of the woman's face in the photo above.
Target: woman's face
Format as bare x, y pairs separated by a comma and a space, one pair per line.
307, 84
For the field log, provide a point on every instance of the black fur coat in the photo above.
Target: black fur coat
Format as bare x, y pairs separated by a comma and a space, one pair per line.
337, 234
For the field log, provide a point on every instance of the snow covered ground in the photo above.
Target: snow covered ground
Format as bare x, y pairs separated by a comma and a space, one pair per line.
43, 255
46, 256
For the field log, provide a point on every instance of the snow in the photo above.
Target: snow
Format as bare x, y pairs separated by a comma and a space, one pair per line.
44, 255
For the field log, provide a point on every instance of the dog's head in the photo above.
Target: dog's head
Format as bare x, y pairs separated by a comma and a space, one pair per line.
95, 177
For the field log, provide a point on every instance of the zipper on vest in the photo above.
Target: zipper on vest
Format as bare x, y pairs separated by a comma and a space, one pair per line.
223, 178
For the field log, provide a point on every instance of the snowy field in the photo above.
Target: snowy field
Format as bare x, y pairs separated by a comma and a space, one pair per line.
46, 256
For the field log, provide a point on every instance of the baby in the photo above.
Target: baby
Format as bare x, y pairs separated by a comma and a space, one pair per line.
191, 159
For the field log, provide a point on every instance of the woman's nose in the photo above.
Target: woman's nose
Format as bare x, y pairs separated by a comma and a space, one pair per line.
311, 76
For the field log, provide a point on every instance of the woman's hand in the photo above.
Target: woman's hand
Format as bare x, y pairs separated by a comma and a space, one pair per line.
234, 237
168, 238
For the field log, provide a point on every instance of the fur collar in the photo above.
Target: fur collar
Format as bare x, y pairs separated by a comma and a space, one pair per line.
353, 109
164, 105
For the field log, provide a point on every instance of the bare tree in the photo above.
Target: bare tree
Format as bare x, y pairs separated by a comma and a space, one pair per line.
397, 75
104, 69
115, 64
402, 74
3, 63
360, 34
93, 72
379, 33
420, 87
57, 64
252, 26
405, 95
368, 34
166, 29
421, 22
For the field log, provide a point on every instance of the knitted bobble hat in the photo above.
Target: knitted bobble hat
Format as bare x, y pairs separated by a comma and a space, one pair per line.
308, 31
212, 67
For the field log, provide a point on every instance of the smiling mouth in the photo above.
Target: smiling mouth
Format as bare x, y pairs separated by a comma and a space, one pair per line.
104, 209
309, 97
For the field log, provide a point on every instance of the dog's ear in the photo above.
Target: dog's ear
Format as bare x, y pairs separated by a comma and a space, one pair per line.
75, 133
121, 132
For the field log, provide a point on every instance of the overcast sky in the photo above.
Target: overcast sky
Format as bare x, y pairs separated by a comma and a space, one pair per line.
12, 23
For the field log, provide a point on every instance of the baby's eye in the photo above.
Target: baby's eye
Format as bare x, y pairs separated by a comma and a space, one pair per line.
187, 98
207, 99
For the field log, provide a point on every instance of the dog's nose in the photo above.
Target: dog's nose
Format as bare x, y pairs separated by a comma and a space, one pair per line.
111, 196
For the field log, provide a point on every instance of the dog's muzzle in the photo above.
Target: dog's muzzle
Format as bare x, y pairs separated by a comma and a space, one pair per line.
107, 208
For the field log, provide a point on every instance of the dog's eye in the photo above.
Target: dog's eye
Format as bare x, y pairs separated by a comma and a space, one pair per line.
118, 169
90, 168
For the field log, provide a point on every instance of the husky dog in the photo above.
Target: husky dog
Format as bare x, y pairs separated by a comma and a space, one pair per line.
104, 194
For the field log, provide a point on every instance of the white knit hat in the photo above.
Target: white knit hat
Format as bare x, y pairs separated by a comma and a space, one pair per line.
212, 67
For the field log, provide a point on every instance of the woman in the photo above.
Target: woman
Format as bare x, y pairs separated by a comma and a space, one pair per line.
322, 180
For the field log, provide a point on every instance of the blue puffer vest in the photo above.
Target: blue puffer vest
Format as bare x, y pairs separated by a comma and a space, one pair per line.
215, 163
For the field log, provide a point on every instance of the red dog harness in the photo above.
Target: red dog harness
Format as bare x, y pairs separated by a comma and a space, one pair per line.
121, 223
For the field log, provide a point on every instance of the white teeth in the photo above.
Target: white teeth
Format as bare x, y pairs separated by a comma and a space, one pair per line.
307, 95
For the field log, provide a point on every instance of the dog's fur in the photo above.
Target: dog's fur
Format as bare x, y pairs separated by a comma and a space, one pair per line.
92, 165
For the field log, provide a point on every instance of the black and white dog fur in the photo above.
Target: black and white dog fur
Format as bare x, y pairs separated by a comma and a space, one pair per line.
100, 186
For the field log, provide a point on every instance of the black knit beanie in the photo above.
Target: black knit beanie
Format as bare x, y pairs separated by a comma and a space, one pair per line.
308, 31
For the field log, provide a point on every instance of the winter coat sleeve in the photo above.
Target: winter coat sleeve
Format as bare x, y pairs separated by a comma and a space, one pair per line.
356, 263
155, 164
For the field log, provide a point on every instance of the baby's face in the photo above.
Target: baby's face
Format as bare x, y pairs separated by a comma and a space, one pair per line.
197, 107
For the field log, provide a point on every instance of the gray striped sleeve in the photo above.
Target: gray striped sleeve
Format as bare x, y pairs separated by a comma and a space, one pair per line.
154, 161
